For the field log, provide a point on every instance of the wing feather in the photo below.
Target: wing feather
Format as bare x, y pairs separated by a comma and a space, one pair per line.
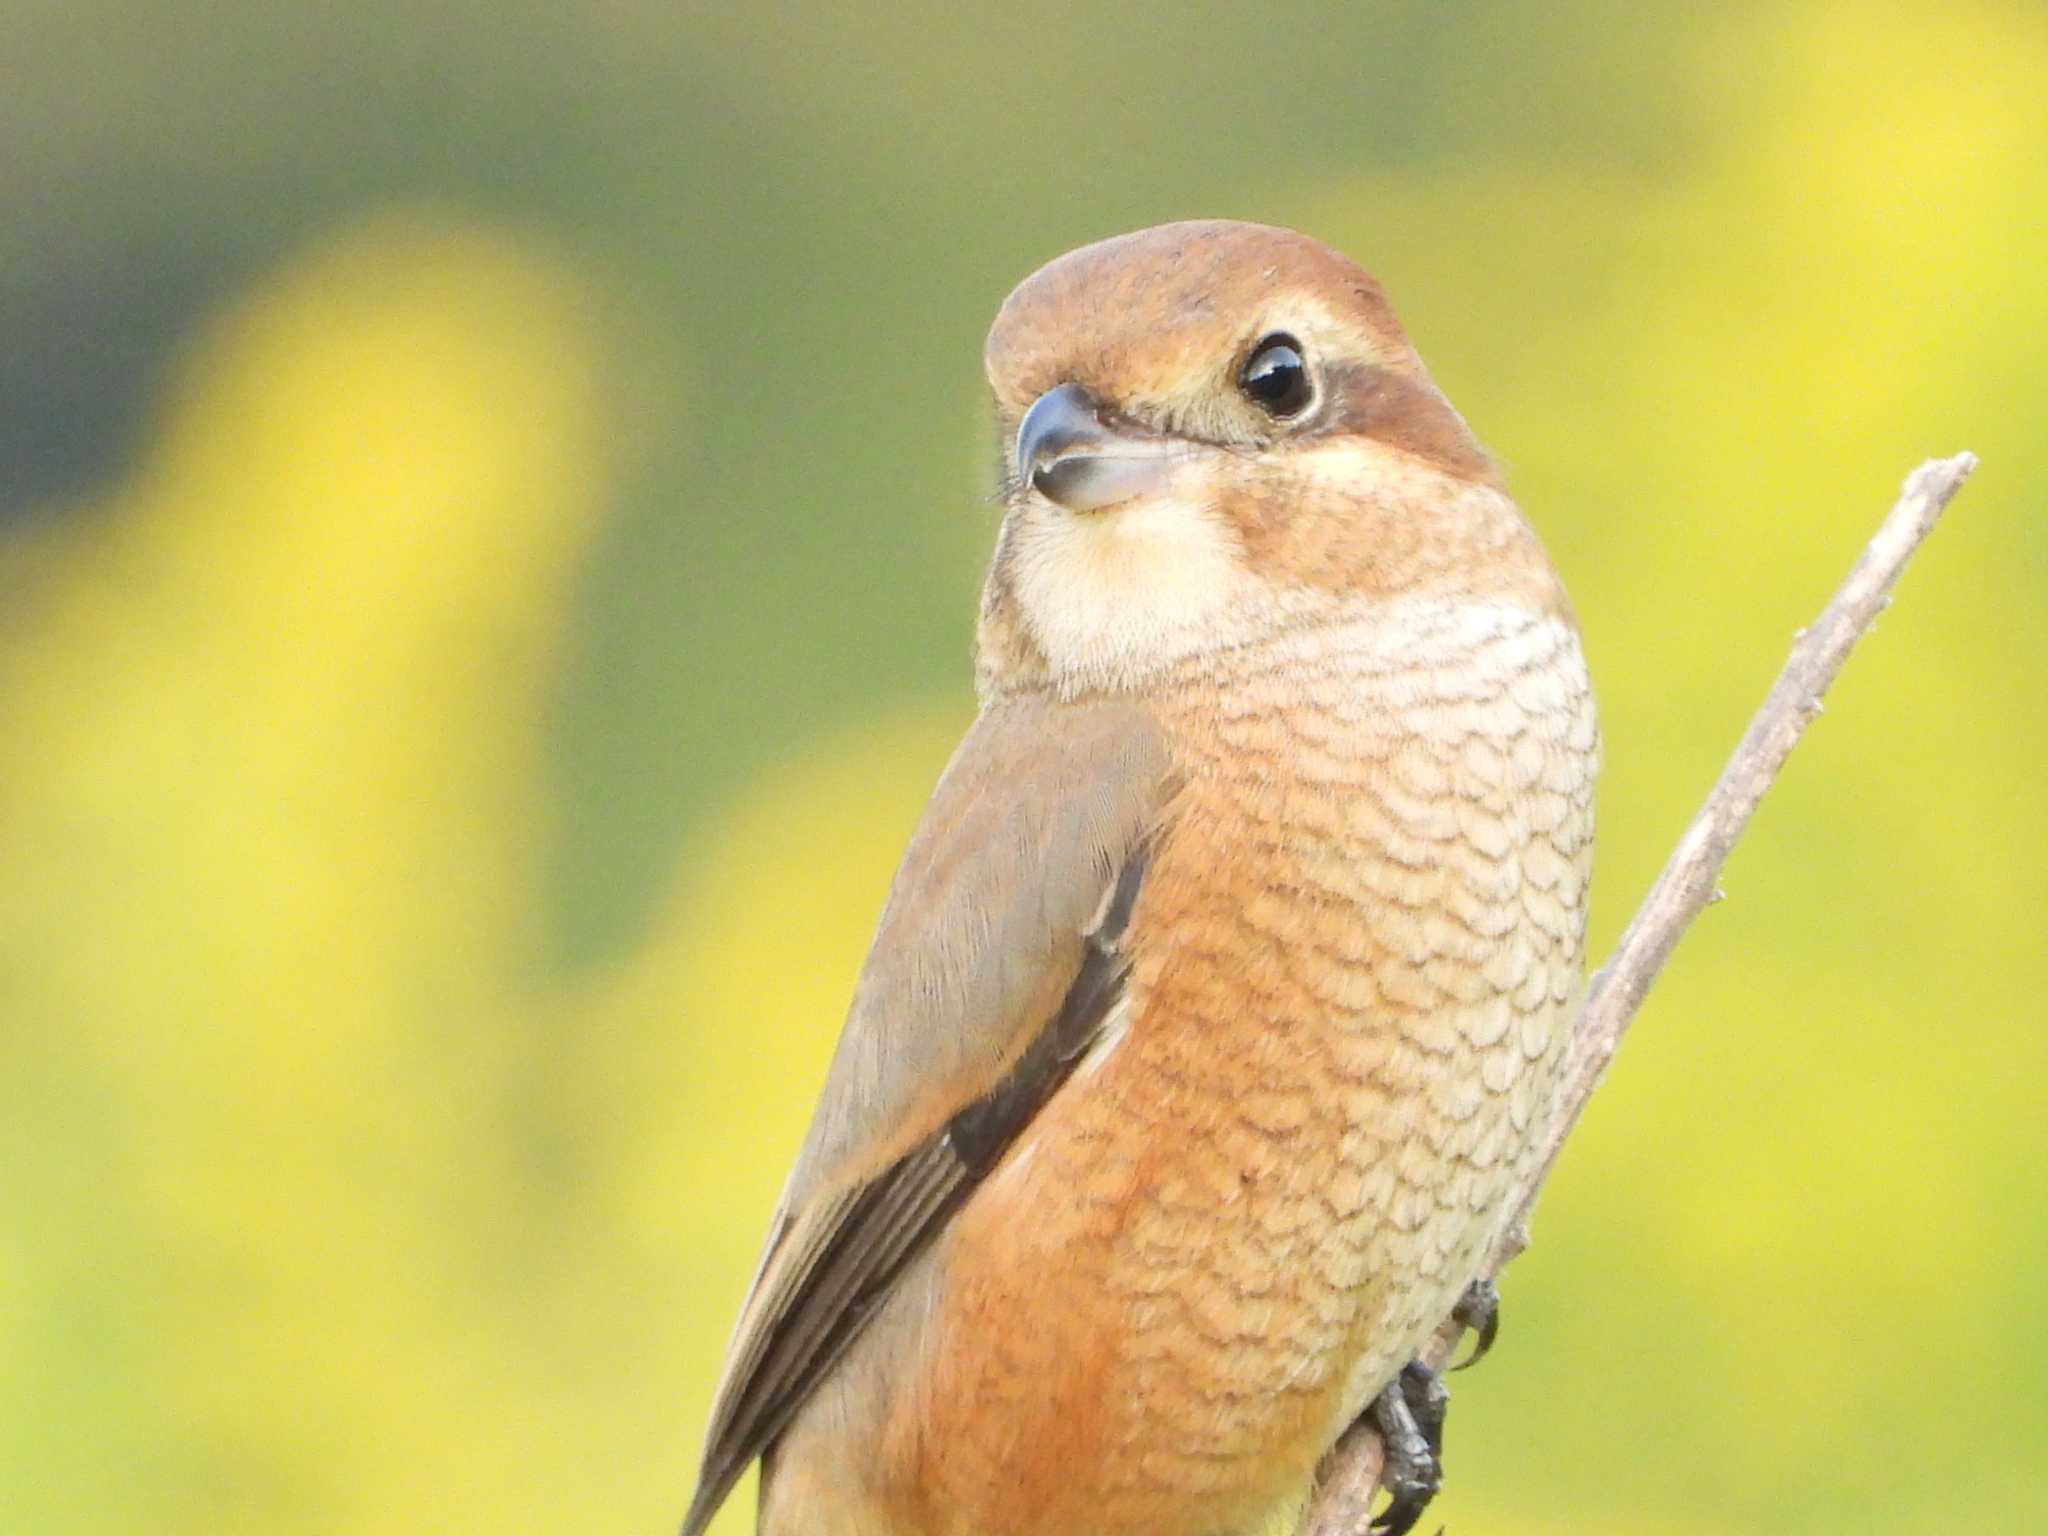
996, 964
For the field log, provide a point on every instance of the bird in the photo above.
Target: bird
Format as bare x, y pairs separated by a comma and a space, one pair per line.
1220, 1002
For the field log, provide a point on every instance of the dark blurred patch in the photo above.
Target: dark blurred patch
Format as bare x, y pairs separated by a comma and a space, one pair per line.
90, 322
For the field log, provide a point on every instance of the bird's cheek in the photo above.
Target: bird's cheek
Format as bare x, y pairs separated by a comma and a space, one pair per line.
1255, 509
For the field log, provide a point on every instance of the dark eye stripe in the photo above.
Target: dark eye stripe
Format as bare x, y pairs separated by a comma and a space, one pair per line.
1392, 407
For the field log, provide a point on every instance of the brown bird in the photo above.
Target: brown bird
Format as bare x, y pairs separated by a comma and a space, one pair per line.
1225, 987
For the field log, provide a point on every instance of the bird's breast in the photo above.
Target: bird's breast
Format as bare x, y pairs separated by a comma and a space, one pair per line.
1353, 963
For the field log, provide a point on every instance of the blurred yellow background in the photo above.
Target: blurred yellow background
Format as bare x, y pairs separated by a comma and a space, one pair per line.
491, 501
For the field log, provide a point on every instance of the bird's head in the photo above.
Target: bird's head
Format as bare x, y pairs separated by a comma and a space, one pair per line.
1215, 431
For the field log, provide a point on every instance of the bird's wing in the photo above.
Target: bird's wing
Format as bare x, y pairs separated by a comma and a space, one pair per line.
995, 964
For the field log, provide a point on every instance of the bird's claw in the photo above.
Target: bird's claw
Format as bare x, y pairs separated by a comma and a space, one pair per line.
1478, 1310
1409, 1415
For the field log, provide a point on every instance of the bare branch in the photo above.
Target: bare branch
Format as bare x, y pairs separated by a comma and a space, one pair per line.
1351, 1472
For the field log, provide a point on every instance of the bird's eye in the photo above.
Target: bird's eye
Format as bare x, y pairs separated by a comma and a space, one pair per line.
1276, 378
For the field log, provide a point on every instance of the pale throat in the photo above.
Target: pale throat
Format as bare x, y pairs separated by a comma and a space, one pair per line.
1114, 598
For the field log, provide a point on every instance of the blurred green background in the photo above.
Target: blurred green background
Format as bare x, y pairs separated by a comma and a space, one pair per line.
491, 502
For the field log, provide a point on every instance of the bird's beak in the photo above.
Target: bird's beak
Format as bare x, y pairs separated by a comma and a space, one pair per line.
1069, 454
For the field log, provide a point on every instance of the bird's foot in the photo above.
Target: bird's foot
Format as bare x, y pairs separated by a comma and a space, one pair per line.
1409, 1415
1478, 1310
